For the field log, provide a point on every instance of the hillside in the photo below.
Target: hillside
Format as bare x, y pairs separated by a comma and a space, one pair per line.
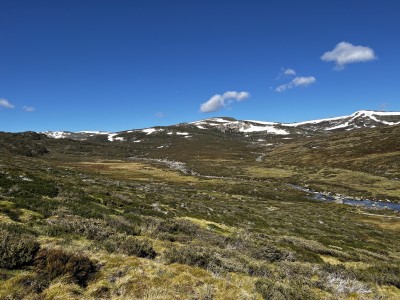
357, 120
213, 209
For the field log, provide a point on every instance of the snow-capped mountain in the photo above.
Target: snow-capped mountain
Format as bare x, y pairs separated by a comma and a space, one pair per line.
357, 120
80, 135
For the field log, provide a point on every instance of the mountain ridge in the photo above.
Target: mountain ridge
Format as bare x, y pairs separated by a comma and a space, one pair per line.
357, 120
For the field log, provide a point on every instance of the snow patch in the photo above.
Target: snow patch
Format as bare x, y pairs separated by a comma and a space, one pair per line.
57, 134
262, 122
94, 132
344, 125
313, 121
269, 129
111, 137
151, 130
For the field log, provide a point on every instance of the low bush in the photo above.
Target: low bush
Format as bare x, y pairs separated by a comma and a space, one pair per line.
383, 274
289, 290
35, 187
17, 250
53, 263
173, 230
92, 229
177, 226
272, 254
193, 256
131, 246
212, 259
124, 225
13, 214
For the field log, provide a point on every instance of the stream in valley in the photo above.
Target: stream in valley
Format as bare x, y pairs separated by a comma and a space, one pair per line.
348, 200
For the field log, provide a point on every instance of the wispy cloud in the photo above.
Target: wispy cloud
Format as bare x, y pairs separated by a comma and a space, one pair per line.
289, 72
286, 72
5, 103
297, 81
28, 108
217, 101
160, 115
345, 53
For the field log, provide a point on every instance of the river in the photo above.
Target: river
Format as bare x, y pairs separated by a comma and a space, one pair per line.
347, 200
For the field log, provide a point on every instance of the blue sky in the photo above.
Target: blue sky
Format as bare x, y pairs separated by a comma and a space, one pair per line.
115, 65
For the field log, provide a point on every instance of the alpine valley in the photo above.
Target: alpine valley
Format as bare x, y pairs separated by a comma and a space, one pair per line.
213, 209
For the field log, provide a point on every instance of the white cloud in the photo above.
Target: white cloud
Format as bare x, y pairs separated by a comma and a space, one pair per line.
346, 53
5, 103
28, 108
160, 115
297, 81
217, 101
289, 72
303, 80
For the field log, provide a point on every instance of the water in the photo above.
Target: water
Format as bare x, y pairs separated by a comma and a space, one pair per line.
346, 200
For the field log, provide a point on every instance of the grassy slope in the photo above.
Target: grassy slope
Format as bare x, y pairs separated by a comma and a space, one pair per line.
247, 236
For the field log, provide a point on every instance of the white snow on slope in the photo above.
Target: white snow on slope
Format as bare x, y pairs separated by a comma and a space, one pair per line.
210, 122
94, 132
151, 130
263, 122
67, 134
344, 125
269, 129
220, 120
201, 123
377, 113
366, 113
57, 134
312, 122
111, 137
178, 133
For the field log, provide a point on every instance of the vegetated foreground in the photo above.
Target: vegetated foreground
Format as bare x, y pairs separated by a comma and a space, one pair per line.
111, 220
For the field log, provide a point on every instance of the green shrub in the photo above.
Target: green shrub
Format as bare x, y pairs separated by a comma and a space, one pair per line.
36, 187
13, 214
193, 256
172, 229
382, 273
284, 290
17, 250
272, 254
210, 258
178, 226
131, 246
53, 263
92, 229
123, 225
